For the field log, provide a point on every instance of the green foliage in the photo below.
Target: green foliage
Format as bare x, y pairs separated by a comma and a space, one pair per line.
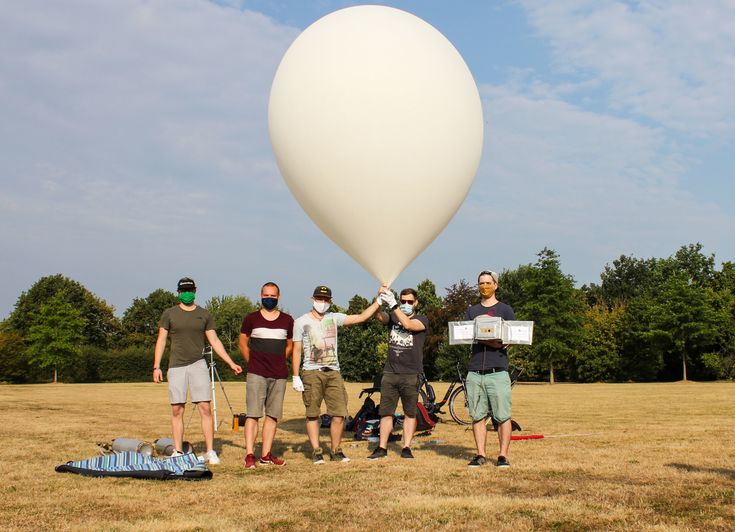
228, 313
101, 326
362, 348
460, 296
56, 335
599, 358
140, 321
15, 366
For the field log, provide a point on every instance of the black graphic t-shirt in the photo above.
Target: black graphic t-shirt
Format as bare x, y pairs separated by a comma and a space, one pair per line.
405, 348
484, 356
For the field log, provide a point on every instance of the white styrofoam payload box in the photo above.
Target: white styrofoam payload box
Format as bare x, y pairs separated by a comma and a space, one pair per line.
517, 332
461, 332
488, 328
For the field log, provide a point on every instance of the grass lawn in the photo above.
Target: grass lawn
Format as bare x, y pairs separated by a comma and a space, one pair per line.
614, 456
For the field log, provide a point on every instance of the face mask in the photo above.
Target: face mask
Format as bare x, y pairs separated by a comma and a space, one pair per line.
187, 298
321, 306
487, 291
269, 303
406, 308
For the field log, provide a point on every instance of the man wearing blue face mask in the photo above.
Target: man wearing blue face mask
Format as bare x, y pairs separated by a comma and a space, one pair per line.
265, 342
189, 327
402, 367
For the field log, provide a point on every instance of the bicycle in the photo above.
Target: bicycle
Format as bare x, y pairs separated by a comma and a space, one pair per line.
457, 398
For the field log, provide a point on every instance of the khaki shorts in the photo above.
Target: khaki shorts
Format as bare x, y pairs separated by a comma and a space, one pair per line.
264, 392
193, 378
326, 386
489, 394
393, 386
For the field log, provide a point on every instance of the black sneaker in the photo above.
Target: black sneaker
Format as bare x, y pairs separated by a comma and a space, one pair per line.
503, 462
406, 453
477, 461
318, 456
339, 456
379, 452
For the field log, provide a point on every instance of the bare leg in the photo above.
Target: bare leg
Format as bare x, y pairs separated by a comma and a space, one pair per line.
504, 432
312, 431
251, 434
409, 428
335, 431
177, 425
386, 426
205, 411
269, 433
479, 429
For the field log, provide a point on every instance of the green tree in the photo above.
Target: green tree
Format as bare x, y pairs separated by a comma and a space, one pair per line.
228, 313
101, 326
460, 296
56, 335
362, 348
556, 307
599, 357
140, 321
14, 364
430, 305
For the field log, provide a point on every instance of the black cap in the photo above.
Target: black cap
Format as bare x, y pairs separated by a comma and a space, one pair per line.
322, 291
186, 284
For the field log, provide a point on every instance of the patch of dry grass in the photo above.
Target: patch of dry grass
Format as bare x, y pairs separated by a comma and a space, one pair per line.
618, 456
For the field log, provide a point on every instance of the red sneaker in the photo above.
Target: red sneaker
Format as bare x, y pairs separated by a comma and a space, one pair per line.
271, 460
250, 461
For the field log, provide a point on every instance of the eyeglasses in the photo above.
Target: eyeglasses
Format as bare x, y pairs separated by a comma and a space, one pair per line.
409, 301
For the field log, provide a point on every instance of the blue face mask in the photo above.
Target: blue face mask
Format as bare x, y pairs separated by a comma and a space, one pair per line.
269, 303
406, 308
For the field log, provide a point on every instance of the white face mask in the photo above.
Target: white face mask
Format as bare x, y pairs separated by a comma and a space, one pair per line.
321, 306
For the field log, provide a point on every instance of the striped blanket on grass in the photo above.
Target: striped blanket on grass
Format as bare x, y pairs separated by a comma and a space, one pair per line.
136, 465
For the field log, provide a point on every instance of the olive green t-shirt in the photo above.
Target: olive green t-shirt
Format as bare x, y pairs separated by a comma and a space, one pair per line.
186, 330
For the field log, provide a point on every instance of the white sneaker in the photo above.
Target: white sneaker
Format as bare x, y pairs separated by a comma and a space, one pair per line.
211, 457
176, 453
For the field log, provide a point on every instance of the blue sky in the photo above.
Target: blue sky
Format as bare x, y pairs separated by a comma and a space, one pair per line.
135, 150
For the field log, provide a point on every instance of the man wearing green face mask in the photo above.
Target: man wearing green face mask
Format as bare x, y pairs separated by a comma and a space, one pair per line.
190, 327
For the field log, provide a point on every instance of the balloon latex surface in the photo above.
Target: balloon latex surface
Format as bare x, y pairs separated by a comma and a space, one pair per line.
377, 128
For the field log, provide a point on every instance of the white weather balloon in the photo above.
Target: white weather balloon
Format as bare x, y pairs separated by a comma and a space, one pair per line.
377, 128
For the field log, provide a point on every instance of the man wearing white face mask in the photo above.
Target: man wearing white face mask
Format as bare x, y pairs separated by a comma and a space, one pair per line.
315, 334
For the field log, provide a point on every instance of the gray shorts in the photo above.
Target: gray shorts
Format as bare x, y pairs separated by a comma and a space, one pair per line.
193, 378
264, 392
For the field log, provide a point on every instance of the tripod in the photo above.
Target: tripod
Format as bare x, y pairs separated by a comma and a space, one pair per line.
213, 373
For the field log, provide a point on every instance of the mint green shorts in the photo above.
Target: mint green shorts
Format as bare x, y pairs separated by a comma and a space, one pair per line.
489, 395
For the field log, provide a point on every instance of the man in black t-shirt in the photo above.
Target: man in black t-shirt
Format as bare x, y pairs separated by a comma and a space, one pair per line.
402, 367
488, 382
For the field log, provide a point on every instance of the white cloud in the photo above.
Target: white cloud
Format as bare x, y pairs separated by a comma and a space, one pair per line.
670, 61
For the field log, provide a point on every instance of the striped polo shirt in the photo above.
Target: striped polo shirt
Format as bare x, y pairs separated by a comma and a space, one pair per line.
267, 343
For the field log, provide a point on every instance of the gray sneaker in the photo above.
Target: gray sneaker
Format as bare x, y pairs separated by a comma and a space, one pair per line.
339, 456
477, 461
318, 456
503, 462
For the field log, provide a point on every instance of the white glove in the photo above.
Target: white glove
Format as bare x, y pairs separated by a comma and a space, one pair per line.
298, 385
388, 298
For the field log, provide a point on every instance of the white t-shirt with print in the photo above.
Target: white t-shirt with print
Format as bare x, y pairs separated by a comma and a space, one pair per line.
319, 339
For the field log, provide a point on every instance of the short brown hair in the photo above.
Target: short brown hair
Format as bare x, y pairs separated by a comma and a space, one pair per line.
409, 291
274, 285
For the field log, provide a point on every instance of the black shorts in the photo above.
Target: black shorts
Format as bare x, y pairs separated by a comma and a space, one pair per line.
403, 386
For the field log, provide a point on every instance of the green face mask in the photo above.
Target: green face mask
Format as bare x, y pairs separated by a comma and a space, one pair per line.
187, 298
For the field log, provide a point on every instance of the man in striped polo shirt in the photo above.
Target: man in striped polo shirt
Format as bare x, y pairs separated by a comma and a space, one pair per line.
265, 342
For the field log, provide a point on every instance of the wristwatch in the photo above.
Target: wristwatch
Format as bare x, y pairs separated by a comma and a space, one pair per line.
394, 307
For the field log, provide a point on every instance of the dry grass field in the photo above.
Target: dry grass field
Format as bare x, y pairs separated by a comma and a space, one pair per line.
614, 457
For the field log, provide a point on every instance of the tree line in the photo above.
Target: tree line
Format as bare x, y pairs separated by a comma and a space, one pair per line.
647, 320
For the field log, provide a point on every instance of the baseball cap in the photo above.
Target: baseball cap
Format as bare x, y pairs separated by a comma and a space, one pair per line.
322, 291
186, 284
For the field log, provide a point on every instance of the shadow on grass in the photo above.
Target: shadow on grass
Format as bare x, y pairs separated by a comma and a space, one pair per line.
728, 473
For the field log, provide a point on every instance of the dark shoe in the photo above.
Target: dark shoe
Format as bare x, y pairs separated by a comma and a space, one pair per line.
477, 461
339, 456
250, 461
406, 453
379, 452
503, 462
318, 456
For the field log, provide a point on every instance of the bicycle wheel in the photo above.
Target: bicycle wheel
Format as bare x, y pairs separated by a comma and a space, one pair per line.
458, 407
